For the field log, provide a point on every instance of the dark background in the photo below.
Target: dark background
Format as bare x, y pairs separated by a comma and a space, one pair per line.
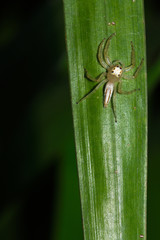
39, 196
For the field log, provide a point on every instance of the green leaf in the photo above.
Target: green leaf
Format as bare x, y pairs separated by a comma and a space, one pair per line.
111, 157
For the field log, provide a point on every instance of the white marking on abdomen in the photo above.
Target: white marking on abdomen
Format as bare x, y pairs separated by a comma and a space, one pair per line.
108, 93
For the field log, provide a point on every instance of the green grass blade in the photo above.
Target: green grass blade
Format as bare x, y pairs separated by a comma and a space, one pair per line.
112, 157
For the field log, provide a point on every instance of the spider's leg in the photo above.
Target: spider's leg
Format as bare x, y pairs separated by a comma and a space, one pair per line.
118, 62
133, 60
138, 69
92, 91
120, 91
100, 55
106, 57
136, 72
127, 77
99, 79
114, 104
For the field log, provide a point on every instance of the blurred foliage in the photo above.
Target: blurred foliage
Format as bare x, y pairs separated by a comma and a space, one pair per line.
38, 175
39, 186
153, 54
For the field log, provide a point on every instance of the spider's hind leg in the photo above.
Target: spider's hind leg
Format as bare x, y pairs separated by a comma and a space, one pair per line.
92, 91
138, 69
120, 91
136, 72
98, 79
133, 60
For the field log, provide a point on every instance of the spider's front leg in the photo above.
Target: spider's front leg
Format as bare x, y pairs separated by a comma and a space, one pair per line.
103, 57
100, 55
120, 91
106, 57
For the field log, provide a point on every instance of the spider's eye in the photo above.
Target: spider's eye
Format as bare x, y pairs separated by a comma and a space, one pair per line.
120, 67
118, 75
112, 71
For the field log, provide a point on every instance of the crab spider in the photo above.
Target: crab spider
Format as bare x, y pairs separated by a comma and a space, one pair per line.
113, 74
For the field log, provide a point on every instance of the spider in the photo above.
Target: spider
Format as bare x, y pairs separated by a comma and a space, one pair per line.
113, 74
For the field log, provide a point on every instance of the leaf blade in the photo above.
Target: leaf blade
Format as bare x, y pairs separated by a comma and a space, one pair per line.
111, 157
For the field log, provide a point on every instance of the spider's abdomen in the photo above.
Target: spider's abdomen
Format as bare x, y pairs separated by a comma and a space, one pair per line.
108, 93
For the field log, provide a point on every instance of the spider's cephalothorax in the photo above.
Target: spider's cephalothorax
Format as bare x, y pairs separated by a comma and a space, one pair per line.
116, 71
112, 76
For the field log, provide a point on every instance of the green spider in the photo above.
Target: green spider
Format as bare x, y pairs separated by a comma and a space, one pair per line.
113, 74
